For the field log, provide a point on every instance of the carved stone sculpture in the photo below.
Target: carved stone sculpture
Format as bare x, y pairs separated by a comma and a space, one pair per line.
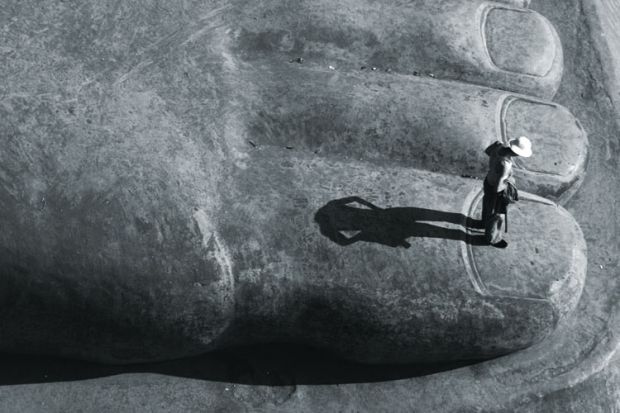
178, 178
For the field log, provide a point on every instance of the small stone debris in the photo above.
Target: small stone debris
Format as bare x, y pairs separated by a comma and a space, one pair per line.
288, 147
388, 70
252, 143
373, 68
601, 265
416, 73
432, 75
297, 60
363, 68
332, 67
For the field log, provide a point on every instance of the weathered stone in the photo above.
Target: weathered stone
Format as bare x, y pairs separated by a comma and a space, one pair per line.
355, 290
520, 41
417, 122
447, 38
571, 371
139, 221
153, 274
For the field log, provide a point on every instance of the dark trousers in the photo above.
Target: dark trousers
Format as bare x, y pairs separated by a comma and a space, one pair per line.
490, 204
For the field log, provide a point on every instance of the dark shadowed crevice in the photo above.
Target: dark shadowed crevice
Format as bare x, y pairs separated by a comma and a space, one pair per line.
268, 364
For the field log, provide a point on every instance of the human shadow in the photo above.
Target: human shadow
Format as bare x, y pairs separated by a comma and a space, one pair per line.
281, 364
390, 226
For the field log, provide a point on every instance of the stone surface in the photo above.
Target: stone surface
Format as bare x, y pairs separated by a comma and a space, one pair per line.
521, 41
262, 271
360, 295
165, 209
562, 158
445, 38
572, 370
417, 122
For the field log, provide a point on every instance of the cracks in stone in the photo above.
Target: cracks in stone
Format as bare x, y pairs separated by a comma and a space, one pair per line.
587, 37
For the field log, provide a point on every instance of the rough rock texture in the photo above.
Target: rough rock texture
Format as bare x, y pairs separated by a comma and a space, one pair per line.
572, 370
269, 273
412, 121
350, 286
444, 38
164, 208
521, 41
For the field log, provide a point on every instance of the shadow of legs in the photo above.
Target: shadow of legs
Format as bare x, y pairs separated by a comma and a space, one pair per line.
390, 226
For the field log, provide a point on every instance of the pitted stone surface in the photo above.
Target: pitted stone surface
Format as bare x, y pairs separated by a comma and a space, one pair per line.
403, 271
540, 262
521, 41
571, 371
558, 137
151, 211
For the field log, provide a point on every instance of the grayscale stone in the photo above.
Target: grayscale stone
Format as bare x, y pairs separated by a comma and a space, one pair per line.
450, 39
417, 122
126, 138
151, 272
138, 219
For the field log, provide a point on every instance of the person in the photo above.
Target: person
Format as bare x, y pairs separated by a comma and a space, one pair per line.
499, 176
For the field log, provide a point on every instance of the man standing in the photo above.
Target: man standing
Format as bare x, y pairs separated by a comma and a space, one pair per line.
500, 173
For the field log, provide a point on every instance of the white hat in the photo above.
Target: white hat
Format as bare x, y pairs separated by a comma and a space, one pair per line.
521, 146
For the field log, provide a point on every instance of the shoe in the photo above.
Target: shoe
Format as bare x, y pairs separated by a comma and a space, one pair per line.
501, 244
